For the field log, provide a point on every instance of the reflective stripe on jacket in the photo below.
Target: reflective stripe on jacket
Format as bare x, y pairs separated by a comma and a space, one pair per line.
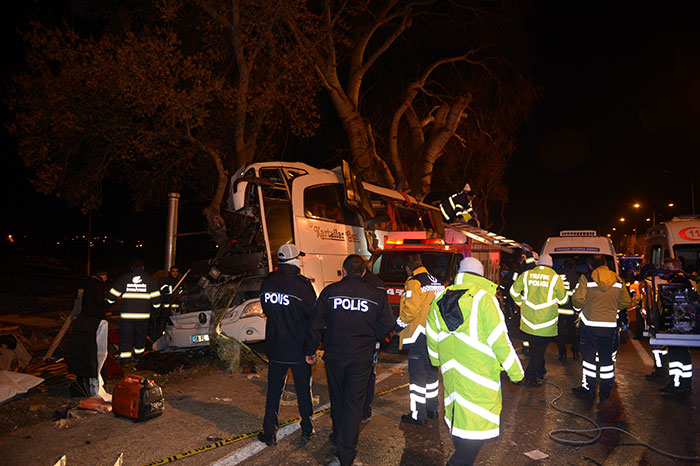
539, 292
419, 291
138, 292
600, 298
467, 338
570, 279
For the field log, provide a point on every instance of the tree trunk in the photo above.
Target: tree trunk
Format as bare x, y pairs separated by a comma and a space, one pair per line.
221, 295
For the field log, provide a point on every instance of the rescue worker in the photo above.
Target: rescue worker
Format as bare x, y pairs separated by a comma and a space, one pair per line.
354, 316
599, 300
468, 339
419, 291
87, 350
680, 363
539, 292
167, 287
460, 204
372, 280
287, 299
139, 293
566, 327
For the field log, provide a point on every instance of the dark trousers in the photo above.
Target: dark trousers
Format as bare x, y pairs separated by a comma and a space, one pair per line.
535, 367
680, 366
567, 333
423, 377
132, 336
597, 341
465, 451
276, 379
367, 410
347, 384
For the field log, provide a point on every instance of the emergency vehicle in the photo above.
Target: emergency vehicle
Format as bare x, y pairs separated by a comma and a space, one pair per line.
674, 317
579, 245
327, 214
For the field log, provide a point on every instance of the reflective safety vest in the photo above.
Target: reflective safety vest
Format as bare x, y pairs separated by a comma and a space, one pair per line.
138, 292
467, 338
419, 291
539, 292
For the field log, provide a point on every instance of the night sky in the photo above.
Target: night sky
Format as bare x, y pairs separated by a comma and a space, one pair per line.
618, 123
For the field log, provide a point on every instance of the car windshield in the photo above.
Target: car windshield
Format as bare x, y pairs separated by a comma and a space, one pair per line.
389, 265
580, 262
689, 255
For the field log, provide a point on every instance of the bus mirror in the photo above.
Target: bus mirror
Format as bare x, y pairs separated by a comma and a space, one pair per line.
355, 195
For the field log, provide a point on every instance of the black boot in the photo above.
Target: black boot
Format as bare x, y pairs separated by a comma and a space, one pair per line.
659, 375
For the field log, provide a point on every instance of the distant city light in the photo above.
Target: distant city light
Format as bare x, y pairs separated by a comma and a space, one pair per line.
10, 239
636, 205
608, 235
622, 219
670, 204
648, 220
614, 229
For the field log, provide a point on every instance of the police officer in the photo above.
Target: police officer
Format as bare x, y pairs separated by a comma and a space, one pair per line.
354, 316
538, 292
372, 280
287, 299
567, 332
419, 290
528, 262
468, 338
599, 300
139, 293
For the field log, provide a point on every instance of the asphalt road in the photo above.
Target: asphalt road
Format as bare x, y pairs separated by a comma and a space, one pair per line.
205, 404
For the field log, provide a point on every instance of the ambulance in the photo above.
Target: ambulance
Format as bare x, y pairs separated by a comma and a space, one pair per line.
676, 239
580, 245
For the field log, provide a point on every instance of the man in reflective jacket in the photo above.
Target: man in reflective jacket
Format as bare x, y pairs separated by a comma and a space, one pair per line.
467, 338
354, 316
419, 291
460, 204
287, 299
139, 293
598, 299
538, 292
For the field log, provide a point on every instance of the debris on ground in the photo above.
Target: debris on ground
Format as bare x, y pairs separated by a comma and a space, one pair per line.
536, 455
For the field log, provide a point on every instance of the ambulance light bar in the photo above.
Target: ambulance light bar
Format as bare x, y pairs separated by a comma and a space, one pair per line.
415, 242
578, 233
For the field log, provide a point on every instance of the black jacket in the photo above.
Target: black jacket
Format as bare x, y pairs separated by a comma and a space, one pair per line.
287, 300
139, 292
354, 315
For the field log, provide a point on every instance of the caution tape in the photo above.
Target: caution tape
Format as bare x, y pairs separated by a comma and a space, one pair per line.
238, 438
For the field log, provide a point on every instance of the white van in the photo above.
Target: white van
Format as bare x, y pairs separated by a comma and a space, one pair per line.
676, 239
579, 245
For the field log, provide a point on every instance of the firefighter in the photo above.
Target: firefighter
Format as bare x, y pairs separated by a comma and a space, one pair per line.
287, 299
354, 316
599, 300
419, 291
460, 204
567, 331
468, 339
539, 292
167, 287
139, 294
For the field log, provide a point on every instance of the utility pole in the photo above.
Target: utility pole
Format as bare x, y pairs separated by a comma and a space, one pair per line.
171, 230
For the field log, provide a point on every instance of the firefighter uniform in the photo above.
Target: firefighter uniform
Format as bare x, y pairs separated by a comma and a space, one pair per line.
468, 339
167, 287
566, 327
287, 300
459, 204
599, 300
354, 315
539, 292
139, 293
419, 291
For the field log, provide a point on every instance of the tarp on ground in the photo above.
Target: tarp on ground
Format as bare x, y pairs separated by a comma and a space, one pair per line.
14, 383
